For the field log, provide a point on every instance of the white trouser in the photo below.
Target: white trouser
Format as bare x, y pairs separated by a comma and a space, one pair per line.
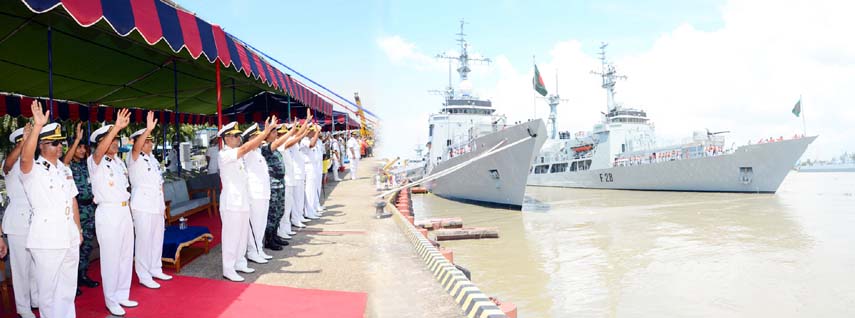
299, 198
23, 275
234, 237
354, 163
148, 228
285, 222
335, 170
56, 276
257, 224
320, 188
311, 197
115, 231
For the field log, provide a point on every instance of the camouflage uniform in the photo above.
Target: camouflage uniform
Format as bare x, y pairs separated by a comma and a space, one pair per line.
87, 212
276, 170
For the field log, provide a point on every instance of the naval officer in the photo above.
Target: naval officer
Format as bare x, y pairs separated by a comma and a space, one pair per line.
75, 159
309, 151
16, 226
292, 216
113, 224
54, 236
259, 200
147, 206
353, 153
276, 170
234, 201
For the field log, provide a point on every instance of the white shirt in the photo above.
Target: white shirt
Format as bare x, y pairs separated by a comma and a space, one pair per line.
51, 191
16, 219
298, 161
213, 153
353, 144
286, 162
147, 184
233, 176
259, 179
109, 179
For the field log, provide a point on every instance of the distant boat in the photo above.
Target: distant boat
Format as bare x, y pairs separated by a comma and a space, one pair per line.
621, 153
832, 167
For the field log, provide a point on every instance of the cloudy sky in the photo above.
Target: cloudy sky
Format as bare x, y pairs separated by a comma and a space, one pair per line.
716, 64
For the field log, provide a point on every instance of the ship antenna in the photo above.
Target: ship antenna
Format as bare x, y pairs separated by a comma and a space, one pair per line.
610, 77
554, 99
463, 59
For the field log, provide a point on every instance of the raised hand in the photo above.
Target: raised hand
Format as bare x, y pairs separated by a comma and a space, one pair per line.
78, 132
27, 129
39, 118
123, 118
150, 121
309, 114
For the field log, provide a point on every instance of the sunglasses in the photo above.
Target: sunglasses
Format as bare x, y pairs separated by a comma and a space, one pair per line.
53, 143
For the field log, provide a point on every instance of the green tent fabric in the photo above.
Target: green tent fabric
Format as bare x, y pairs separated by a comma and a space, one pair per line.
94, 65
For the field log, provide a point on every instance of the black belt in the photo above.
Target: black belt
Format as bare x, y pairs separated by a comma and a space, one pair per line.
85, 201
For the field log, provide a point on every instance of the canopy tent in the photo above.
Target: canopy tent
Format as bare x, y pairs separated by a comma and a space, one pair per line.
342, 121
264, 104
45, 52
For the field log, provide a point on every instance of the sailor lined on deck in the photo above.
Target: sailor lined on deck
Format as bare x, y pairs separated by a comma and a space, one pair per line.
234, 201
55, 234
279, 224
259, 203
147, 206
75, 159
16, 226
113, 224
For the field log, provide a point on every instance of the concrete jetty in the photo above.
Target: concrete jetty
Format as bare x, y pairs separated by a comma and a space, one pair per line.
349, 250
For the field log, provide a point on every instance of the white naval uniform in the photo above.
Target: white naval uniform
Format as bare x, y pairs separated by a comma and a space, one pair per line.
320, 147
310, 190
113, 226
353, 144
335, 156
298, 165
259, 195
54, 238
147, 207
16, 226
234, 208
285, 222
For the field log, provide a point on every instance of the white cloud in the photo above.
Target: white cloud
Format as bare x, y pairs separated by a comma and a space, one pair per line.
401, 52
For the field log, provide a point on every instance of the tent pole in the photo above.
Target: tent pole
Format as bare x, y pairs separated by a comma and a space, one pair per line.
177, 128
50, 70
289, 109
220, 99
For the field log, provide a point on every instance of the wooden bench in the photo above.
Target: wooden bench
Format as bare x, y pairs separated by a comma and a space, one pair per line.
179, 203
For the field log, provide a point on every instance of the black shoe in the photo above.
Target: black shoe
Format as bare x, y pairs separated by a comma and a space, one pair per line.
270, 244
79, 292
280, 241
88, 282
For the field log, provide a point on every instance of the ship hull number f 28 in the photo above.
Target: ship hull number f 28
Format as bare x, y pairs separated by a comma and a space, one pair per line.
606, 177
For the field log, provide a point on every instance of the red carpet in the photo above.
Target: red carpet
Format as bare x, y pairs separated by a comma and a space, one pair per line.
199, 297
186, 296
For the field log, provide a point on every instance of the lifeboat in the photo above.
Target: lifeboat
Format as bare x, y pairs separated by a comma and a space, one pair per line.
583, 148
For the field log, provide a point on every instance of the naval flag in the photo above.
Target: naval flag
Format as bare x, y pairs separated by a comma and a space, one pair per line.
797, 110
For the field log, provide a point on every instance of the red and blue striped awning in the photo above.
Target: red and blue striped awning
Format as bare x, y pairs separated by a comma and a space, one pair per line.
158, 20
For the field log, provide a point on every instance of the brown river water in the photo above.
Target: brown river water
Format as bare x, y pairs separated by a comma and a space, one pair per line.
612, 253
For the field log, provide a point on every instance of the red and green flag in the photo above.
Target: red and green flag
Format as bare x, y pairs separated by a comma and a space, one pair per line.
538, 82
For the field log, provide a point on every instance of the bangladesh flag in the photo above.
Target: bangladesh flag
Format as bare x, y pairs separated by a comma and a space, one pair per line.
797, 110
537, 81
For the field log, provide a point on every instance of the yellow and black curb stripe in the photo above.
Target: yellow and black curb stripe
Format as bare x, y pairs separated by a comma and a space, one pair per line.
475, 304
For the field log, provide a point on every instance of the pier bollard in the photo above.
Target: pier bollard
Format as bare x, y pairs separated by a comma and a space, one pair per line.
447, 253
